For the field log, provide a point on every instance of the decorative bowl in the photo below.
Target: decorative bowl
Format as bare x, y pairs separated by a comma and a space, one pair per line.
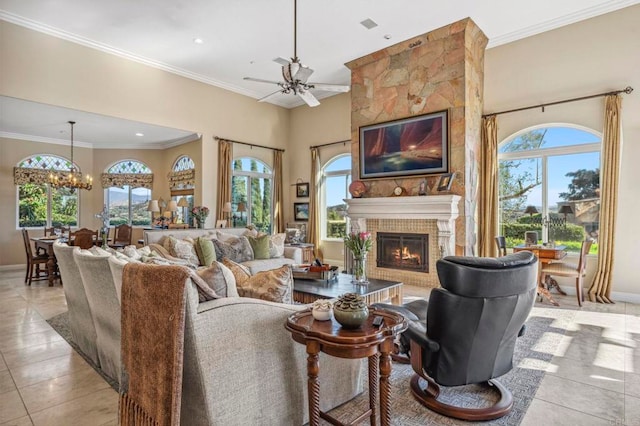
350, 310
321, 310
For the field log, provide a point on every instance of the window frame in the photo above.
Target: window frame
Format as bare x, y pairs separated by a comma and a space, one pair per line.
543, 154
49, 218
129, 195
347, 173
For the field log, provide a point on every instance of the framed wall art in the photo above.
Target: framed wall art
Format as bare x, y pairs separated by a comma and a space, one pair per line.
301, 211
410, 146
444, 184
302, 189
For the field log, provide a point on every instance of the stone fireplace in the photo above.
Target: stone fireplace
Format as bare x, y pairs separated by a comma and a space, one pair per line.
431, 216
402, 250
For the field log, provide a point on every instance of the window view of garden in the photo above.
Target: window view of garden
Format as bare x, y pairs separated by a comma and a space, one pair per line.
128, 205
336, 177
251, 196
40, 205
549, 182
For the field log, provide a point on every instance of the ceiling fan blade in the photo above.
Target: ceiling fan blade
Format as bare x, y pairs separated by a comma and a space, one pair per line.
308, 98
259, 80
269, 96
330, 87
282, 61
303, 74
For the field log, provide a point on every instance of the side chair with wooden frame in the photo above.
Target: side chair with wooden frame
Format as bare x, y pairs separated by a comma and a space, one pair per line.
83, 238
34, 261
501, 242
564, 269
122, 236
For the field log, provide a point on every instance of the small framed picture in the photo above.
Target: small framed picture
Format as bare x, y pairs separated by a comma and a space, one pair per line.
301, 211
444, 184
221, 223
302, 189
422, 188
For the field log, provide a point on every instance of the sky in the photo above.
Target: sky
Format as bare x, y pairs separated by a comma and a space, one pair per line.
558, 167
336, 186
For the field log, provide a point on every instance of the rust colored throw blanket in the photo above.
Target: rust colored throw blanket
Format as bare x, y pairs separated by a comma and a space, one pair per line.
153, 312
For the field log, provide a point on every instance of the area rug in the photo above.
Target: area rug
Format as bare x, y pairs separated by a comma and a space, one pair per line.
533, 352
60, 323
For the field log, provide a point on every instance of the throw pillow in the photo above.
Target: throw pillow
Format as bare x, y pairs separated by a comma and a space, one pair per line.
205, 251
182, 249
292, 236
276, 245
219, 281
240, 272
275, 285
238, 250
260, 246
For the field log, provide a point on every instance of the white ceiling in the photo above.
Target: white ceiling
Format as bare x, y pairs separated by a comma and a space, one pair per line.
242, 37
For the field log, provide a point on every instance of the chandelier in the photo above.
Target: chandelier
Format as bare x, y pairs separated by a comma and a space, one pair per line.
71, 179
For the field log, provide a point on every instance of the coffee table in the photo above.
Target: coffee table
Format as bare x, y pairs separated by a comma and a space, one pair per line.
306, 291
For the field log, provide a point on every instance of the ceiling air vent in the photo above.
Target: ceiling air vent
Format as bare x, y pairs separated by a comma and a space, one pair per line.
368, 23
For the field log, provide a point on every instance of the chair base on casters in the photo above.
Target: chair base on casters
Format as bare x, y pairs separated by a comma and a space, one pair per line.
428, 396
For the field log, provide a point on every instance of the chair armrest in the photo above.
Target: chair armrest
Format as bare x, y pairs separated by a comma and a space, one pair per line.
294, 253
417, 333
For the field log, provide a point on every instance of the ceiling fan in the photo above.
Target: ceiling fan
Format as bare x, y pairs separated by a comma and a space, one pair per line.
295, 75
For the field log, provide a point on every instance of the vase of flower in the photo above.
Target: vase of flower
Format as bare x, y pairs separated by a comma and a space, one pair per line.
200, 214
360, 270
359, 244
350, 310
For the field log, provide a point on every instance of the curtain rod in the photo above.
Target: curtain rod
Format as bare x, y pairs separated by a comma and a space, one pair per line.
249, 144
330, 143
626, 90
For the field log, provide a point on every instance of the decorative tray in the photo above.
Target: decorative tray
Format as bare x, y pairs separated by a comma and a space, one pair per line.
312, 272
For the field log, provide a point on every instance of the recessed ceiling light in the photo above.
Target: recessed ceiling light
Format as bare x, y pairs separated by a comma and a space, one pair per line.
368, 23
387, 36
139, 134
198, 40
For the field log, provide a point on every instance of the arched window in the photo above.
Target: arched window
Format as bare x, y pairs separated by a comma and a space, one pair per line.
38, 203
336, 177
549, 181
182, 184
128, 203
251, 199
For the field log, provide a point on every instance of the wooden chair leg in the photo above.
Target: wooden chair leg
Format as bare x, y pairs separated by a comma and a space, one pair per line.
579, 291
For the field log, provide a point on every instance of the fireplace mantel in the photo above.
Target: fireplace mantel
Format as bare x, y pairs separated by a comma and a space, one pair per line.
442, 208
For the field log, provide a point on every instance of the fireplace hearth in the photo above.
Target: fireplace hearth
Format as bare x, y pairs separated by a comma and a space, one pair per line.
404, 251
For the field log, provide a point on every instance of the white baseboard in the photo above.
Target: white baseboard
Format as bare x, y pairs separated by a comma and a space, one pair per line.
12, 267
617, 296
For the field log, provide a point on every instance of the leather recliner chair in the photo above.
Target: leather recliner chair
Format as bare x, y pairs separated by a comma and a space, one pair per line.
472, 324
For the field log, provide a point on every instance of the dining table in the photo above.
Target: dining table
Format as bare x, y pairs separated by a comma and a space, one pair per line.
545, 254
46, 244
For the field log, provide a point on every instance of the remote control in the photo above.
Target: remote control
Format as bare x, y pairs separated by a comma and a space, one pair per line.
377, 321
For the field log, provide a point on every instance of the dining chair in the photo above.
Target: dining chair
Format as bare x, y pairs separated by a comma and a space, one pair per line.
566, 269
122, 236
501, 242
52, 230
83, 238
33, 261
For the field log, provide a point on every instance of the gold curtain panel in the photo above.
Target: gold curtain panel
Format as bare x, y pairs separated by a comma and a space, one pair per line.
134, 180
178, 180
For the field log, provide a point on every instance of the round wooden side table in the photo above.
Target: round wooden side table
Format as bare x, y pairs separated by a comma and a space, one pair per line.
374, 343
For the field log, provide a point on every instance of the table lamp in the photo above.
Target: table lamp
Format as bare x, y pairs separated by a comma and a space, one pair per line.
565, 210
154, 208
241, 209
184, 203
172, 207
227, 209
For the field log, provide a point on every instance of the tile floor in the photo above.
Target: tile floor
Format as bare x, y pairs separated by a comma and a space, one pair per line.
593, 379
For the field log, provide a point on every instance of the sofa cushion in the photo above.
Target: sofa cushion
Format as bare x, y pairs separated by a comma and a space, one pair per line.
275, 285
260, 265
238, 249
219, 279
182, 249
276, 245
260, 246
240, 272
205, 250
292, 236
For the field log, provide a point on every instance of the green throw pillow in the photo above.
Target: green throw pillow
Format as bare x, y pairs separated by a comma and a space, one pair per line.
205, 250
260, 246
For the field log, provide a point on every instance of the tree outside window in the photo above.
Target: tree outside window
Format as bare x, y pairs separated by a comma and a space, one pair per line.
336, 177
40, 205
127, 205
549, 168
251, 194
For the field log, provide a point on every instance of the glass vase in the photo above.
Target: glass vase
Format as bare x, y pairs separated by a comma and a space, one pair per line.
360, 270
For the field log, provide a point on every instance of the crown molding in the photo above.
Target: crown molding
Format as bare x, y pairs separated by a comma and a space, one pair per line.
74, 38
43, 139
562, 21
181, 141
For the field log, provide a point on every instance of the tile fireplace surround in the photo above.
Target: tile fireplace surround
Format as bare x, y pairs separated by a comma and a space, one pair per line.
434, 215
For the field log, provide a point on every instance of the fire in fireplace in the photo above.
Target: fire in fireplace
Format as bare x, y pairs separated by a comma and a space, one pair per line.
408, 252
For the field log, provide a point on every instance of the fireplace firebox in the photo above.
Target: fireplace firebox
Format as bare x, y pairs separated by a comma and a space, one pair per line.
409, 252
